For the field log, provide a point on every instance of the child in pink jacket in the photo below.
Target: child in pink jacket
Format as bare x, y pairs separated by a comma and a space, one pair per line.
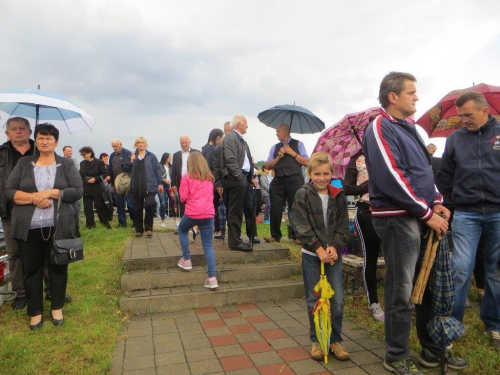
197, 192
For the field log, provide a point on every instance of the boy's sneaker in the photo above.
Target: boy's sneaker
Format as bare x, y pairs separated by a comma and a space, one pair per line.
406, 367
185, 264
494, 339
211, 283
317, 352
429, 359
377, 312
163, 225
339, 351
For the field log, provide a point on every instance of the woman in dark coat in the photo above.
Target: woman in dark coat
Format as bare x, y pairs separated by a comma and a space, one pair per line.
145, 183
166, 168
93, 172
34, 186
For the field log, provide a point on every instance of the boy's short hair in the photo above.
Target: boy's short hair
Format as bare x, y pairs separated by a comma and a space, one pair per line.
264, 168
317, 159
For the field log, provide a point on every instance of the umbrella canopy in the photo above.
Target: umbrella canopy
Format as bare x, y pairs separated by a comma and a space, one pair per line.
300, 120
221, 210
441, 120
443, 328
344, 139
39, 106
321, 311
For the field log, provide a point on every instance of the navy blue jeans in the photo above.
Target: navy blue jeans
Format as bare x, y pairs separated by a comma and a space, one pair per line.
311, 269
467, 228
206, 230
120, 206
403, 246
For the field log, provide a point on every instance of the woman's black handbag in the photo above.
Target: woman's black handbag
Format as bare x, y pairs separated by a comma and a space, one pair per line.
65, 251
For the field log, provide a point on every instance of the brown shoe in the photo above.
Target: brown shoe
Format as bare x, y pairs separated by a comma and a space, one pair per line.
270, 239
339, 351
317, 352
138, 234
149, 234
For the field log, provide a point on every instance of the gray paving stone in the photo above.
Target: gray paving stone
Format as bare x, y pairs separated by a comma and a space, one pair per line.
295, 331
219, 331
265, 326
194, 355
228, 351
209, 366
191, 326
235, 321
167, 347
379, 352
334, 365
350, 371
364, 357
371, 343
248, 337
139, 350
352, 346
171, 358
283, 343
266, 358
177, 369
278, 316
146, 371
375, 369
137, 363
208, 317
355, 333
186, 335
247, 371
287, 323
166, 337
226, 308
160, 329
307, 366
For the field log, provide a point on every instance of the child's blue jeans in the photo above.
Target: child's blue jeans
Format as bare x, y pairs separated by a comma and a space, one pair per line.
311, 268
206, 230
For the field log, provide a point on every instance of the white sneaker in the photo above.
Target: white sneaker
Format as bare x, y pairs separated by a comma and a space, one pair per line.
163, 225
185, 264
211, 283
377, 312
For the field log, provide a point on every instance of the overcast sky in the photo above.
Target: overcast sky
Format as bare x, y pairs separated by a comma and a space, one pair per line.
162, 69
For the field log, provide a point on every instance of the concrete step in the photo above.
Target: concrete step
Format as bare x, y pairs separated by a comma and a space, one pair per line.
232, 272
265, 252
187, 297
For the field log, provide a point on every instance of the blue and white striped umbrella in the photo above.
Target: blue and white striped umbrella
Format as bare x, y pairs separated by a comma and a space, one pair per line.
40, 106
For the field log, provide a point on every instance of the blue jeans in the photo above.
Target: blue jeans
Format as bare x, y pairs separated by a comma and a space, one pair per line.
403, 247
311, 269
206, 230
163, 197
120, 206
467, 228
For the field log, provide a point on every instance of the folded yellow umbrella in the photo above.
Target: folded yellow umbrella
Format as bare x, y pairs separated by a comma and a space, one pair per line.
321, 311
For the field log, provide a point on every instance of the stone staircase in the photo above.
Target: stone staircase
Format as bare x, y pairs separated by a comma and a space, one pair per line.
154, 283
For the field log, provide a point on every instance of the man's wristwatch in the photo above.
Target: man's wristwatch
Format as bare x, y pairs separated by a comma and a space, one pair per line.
295, 156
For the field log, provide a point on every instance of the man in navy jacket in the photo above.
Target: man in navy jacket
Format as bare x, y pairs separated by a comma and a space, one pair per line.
117, 159
405, 203
470, 173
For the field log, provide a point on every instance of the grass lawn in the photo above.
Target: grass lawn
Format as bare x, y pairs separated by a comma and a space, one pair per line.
85, 343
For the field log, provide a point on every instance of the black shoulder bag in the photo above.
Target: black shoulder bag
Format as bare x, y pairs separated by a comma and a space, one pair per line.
65, 251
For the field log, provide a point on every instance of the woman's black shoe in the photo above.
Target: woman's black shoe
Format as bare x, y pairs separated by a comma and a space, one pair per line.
57, 322
37, 327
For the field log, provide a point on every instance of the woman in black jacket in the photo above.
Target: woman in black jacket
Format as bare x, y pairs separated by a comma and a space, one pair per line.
34, 186
93, 172
166, 168
356, 183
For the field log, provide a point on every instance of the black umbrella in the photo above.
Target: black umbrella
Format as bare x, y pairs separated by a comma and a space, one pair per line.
299, 119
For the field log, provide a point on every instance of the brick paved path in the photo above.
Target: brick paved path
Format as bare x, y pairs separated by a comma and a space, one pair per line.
264, 338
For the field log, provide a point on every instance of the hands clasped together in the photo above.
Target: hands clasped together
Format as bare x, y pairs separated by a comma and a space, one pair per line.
328, 255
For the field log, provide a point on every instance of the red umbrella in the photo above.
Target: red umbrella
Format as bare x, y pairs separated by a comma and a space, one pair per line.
441, 120
344, 139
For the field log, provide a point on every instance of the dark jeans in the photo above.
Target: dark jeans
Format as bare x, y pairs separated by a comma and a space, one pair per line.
479, 265
120, 206
403, 247
235, 190
311, 269
88, 208
370, 244
281, 191
148, 204
35, 252
267, 206
15, 264
163, 197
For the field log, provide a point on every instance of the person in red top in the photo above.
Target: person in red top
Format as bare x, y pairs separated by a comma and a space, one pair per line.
197, 193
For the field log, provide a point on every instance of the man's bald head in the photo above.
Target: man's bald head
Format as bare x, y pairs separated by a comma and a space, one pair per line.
117, 145
185, 143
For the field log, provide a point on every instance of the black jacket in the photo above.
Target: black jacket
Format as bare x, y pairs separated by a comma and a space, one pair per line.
96, 169
6, 166
351, 178
67, 179
308, 221
176, 172
470, 168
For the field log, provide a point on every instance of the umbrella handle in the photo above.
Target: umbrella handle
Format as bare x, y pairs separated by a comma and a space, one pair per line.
322, 269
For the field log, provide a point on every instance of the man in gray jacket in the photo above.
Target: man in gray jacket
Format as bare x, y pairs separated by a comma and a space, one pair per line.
18, 131
236, 174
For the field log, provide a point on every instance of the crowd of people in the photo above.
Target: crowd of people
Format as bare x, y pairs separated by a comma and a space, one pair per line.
393, 179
